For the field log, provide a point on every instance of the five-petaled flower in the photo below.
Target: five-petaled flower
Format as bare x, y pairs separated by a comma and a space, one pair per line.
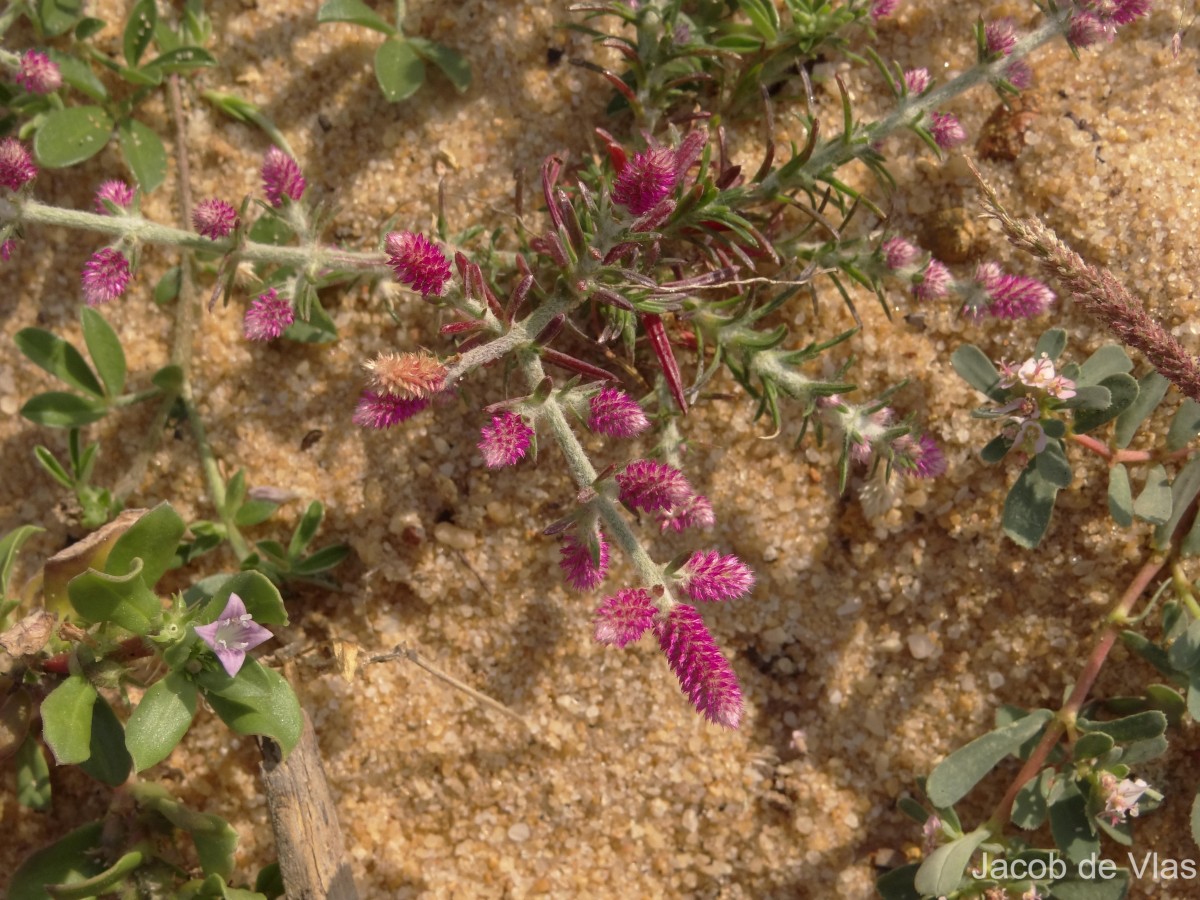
232, 634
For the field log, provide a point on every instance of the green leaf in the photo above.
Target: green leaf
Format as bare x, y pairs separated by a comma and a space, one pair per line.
104, 347
10, 544
1142, 751
1029, 507
123, 600
71, 135
996, 449
1184, 426
109, 761
306, 529
67, 861
161, 720
1154, 502
179, 60
898, 883
1184, 653
141, 77
977, 370
60, 359
453, 64
1138, 727
322, 561
1090, 396
58, 16
144, 154
88, 27
1123, 390
257, 701
1151, 389
1184, 489
942, 871
167, 287
261, 597
355, 12
763, 16
1120, 495
139, 29
168, 379
56, 409
1111, 359
79, 75
398, 69
318, 328
33, 774
1072, 827
67, 720
965, 767
151, 539
215, 839
254, 512
1092, 746
1052, 465
1094, 888
1052, 343
1029, 806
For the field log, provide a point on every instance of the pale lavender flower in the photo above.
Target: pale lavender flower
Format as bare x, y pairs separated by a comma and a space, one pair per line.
616, 414
105, 276
38, 74
268, 317
584, 562
622, 619
710, 576
505, 441
881, 9
1121, 797
917, 80
946, 130
899, 253
704, 674
116, 192
281, 177
646, 180
232, 634
935, 282
1010, 296
695, 512
418, 262
214, 219
378, 411
16, 165
650, 485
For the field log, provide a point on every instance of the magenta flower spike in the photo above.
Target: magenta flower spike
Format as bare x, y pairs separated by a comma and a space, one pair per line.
1086, 29
1000, 36
376, 410
709, 576
695, 512
622, 619
505, 441
418, 262
214, 219
281, 177
704, 674
881, 9
38, 74
16, 165
1011, 296
946, 130
917, 80
616, 414
646, 180
116, 192
935, 282
649, 485
268, 317
584, 563
105, 276
232, 634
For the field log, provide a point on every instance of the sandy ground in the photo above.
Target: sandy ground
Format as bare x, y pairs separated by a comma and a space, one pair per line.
877, 640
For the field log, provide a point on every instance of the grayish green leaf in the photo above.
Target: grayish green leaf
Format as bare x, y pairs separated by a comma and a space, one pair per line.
355, 12
1029, 507
71, 135
942, 871
1120, 495
1151, 389
965, 767
1154, 502
144, 153
67, 720
398, 69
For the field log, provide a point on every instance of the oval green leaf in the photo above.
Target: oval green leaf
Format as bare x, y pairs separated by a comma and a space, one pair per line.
122, 600
181, 59
152, 539
257, 701
1029, 507
452, 63
943, 869
104, 347
355, 12
965, 767
398, 69
67, 861
78, 75
67, 720
109, 761
977, 370
139, 29
71, 135
161, 720
144, 153
57, 409
58, 16
59, 358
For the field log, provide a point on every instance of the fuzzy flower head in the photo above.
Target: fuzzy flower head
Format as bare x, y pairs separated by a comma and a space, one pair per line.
709, 576
37, 74
16, 165
1086, 29
116, 192
919, 457
505, 441
622, 619
647, 180
380, 411
935, 282
232, 634
616, 414
6, 249
1004, 296
1121, 797
1115, 13
704, 674
946, 130
405, 374
418, 262
899, 253
917, 80
105, 276
214, 219
268, 317
281, 177
650, 485
584, 562
695, 512
999, 37
881, 9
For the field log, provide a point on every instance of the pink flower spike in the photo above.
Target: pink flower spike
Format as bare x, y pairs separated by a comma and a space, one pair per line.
584, 563
16, 165
935, 282
711, 576
105, 276
622, 619
650, 485
418, 262
1000, 36
38, 74
116, 192
917, 80
899, 253
281, 177
7, 248
704, 674
696, 512
214, 219
1085, 29
268, 317
881, 9
505, 441
646, 181
616, 414
232, 634
1012, 296
380, 411
946, 131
